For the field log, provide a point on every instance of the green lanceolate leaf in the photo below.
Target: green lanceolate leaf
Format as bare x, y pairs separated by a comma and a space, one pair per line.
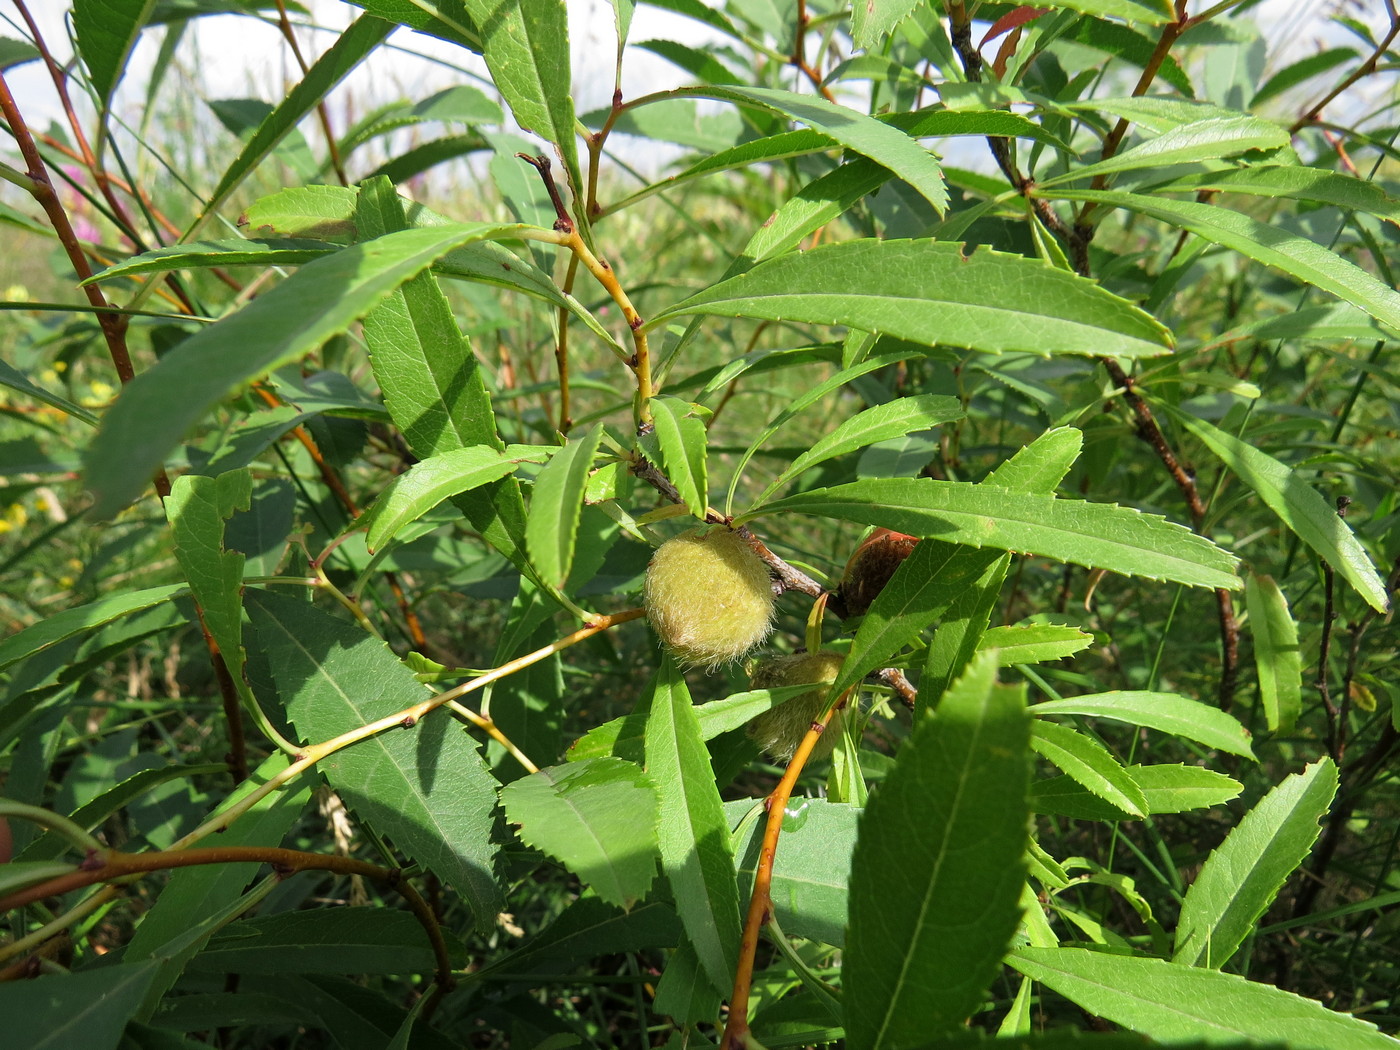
329, 213
427, 483
930, 292
1163, 711
1038, 467
890, 420
90, 1008
816, 204
1244, 873
927, 582
20, 383
853, 129
1277, 657
444, 19
1172, 1003
1299, 506
805, 400
428, 790
1292, 253
90, 815
19, 875
1167, 789
694, 837
937, 871
1088, 762
198, 509
280, 251
1296, 183
526, 47
597, 818
678, 443
106, 31
294, 318
321, 940
1090, 534
1150, 12
1211, 139
51, 630
195, 897
624, 737
873, 20
551, 530
1034, 643
350, 49
1292, 75
432, 383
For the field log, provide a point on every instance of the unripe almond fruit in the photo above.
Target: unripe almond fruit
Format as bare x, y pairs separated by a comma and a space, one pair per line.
709, 596
871, 567
780, 729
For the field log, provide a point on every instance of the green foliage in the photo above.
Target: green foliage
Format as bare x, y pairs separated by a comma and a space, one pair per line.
331, 489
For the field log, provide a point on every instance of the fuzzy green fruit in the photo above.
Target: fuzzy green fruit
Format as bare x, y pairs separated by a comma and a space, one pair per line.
779, 730
709, 596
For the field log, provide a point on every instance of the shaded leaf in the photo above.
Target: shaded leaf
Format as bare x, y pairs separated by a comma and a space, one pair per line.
937, 872
322, 940
293, 318
1277, 657
190, 905
812, 866
89, 1008
586, 929
428, 789
695, 850
596, 817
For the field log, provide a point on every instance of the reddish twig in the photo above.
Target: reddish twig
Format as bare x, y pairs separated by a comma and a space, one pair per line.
113, 866
1314, 112
323, 114
799, 53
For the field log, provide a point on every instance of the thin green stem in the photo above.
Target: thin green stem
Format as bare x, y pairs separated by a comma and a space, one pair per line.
60, 825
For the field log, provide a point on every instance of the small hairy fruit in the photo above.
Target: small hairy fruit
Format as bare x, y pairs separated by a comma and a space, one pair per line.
779, 730
709, 596
871, 567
